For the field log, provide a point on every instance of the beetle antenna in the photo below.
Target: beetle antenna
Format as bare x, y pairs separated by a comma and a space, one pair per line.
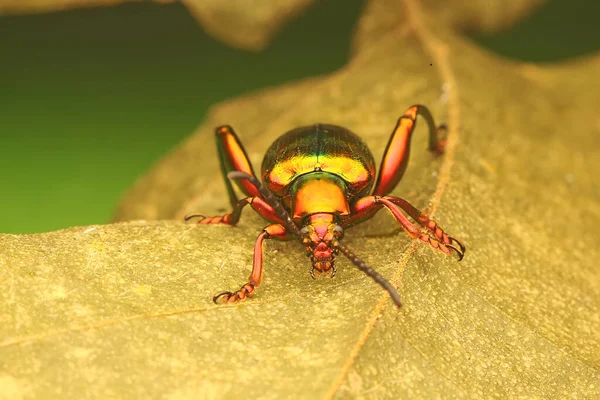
270, 199
360, 264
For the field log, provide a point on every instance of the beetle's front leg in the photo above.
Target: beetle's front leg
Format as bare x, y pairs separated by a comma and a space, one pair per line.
427, 223
433, 235
232, 218
274, 231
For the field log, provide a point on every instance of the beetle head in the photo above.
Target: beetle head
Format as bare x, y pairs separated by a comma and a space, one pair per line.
319, 236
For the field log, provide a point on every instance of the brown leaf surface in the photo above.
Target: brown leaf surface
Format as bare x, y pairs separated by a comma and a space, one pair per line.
125, 309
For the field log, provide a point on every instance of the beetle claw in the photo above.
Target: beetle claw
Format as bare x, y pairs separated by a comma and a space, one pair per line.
460, 253
225, 295
456, 245
196, 215
444, 243
461, 246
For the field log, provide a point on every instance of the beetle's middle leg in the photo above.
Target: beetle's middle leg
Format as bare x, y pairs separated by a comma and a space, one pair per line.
232, 218
274, 231
425, 229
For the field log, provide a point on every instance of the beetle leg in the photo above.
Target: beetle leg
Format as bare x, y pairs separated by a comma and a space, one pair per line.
432, 226
273, 231
233, 157
397, 152
428, 231
232, 218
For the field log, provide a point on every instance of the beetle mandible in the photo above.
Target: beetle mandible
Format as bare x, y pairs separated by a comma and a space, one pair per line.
319, 180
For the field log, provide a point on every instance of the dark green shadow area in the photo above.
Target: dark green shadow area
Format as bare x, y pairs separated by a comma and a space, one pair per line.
90, 98
559, 30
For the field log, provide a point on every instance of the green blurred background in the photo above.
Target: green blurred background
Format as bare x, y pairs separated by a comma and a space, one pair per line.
90, 98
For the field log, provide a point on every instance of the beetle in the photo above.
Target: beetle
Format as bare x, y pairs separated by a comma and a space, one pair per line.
318, 181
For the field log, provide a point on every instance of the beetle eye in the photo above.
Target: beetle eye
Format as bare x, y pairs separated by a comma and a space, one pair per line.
304, 231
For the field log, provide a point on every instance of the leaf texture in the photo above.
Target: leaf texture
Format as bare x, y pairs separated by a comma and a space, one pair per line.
124, 309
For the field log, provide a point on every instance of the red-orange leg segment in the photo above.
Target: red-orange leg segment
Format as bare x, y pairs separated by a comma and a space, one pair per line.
232, 218
397, 152
274, 231
434, 236
233, 157
432, 226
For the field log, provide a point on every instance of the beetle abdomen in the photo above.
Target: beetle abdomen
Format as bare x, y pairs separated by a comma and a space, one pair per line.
319, 147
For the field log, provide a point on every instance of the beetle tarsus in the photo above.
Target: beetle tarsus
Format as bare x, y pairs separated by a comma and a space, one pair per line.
221, 219
229, 297
435, 232
204, 220
443, 238
444, 245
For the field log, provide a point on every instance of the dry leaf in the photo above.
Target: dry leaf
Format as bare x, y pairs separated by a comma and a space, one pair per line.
124, 310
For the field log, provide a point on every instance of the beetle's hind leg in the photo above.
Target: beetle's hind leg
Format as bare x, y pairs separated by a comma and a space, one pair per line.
232, 157
397, 151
